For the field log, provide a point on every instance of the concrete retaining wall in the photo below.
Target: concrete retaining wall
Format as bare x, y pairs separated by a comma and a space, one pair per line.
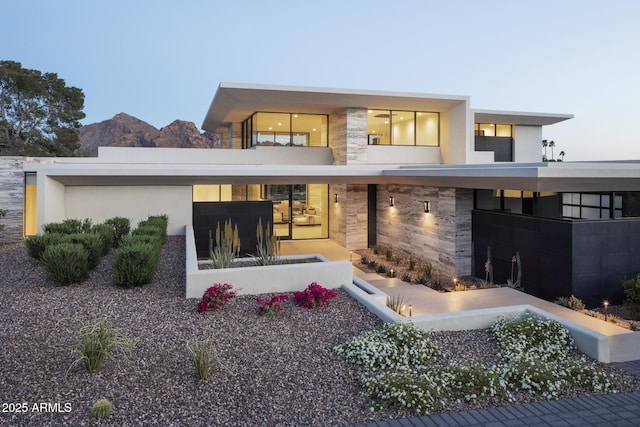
264, 279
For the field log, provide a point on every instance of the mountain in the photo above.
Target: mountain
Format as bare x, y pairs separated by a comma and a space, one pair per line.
124, 130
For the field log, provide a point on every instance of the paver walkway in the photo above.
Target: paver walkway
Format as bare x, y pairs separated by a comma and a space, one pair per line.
604, 410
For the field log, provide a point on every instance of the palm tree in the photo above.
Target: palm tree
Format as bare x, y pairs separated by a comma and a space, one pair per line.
551, 145
544, 145
561, 154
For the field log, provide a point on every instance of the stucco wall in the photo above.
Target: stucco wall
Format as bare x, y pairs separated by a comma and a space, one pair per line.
528, 144
442, 236
11, 198
133, 202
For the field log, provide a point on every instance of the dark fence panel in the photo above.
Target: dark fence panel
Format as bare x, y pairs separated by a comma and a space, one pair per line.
206, 216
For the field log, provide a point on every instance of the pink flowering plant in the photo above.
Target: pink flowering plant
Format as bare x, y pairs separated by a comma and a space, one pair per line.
217, 296
314, 296
273, 306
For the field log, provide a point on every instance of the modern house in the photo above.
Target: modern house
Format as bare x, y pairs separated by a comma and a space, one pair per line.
418, 172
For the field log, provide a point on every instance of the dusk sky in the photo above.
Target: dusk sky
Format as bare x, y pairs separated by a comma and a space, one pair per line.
163, 60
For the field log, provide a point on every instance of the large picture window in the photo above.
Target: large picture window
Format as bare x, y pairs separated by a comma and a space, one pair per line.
285, 129
397, 127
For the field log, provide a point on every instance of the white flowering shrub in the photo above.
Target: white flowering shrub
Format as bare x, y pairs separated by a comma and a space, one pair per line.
537, 355
530, 336
399, 346
424, 392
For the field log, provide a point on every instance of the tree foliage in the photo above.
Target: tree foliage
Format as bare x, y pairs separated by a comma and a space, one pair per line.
39, 114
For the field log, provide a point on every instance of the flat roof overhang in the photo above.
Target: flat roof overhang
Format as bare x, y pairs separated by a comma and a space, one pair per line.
556, 177
234, 102
519, 118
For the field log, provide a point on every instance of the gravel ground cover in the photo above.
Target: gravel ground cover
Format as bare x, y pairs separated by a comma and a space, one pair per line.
273, 372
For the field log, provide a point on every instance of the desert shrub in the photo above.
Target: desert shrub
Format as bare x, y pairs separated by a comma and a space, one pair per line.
102, 408
121, 227
378, 249
426, 269
436, 285
267, 245
388, 254
135, 264
226, 246
106, 234
422, 279
372, 264
381, 269
572, 303
37, 244
92, 244
314, 295
66, 263
411, 263
100, 342
3, 212
406, 277
216, 297
632, 294
364, 260
396, 303
202, 357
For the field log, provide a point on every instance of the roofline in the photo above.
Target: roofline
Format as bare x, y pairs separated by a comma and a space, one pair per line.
234, 102
519, 117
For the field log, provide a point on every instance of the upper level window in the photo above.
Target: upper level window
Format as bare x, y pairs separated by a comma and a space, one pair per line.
285, 129
397, 127
493, 129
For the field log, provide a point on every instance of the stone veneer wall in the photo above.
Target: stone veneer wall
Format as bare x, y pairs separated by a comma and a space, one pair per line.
348, 217
11, 198
442, 236
348, 136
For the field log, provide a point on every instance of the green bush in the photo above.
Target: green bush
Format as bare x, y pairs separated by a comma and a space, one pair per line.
150, 230
137, 239
121, 227
92, 243
105, 231
632, 294
135, 264
59, 228
161, 221
37, 244
66, 263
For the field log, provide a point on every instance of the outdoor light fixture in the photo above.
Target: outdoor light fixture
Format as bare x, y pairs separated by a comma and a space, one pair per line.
410, 309
391, 201
426, 206
335, 197
606, 309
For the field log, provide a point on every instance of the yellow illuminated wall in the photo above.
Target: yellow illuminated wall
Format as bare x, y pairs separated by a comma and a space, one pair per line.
30, 212
212, 193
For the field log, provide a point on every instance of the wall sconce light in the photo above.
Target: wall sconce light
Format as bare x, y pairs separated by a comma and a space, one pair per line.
335, 197
391, 201
426, 206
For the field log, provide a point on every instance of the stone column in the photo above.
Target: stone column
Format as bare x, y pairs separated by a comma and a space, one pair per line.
11, 198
